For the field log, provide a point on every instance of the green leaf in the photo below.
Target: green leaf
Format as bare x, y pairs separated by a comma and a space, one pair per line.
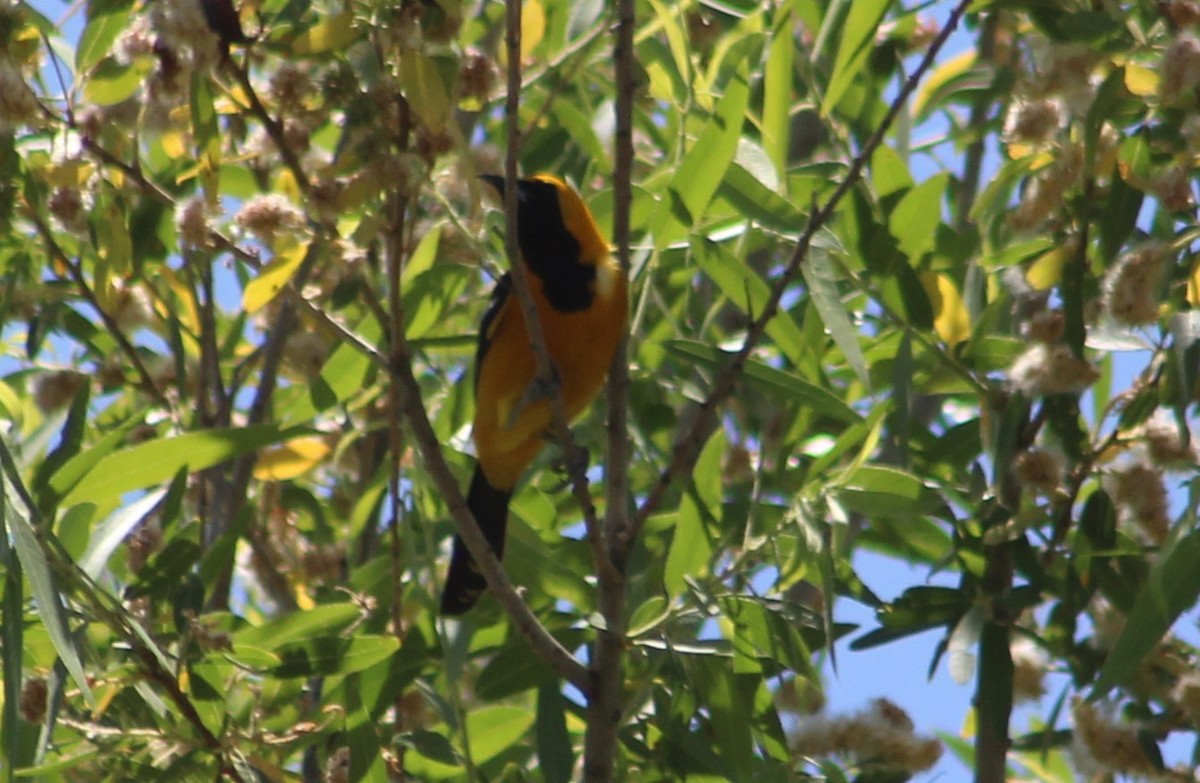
755, 198
423, 256
512, 670
769, 379
690, 548
819, 274
729, 707
156, 461
323, 620
884, 491
345, 374
1172, 587
106, 20
858, 38
28, 547
205, 131
747, 291
495, 729
333, 655
777, 88
430, 295
703, 168
556, 759
915, 218
111, 83
12, 627
112, 531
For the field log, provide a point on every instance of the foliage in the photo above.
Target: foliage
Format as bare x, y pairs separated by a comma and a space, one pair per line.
222, 258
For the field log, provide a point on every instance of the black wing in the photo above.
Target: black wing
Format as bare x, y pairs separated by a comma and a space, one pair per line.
500, 297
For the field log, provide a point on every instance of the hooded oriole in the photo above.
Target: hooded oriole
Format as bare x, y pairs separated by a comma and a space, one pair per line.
580, 294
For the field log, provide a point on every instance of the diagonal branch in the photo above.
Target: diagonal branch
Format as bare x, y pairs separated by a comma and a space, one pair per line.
560, 425
706, 419
543, 644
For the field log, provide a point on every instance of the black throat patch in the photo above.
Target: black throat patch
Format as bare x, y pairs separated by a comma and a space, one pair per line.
550, 251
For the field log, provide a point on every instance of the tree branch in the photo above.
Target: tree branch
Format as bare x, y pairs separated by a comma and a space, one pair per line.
573, 455
522, 617
607, 659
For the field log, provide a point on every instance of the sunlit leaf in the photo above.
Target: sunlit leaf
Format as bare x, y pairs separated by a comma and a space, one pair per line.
950, 318
697, 178
36, 566
291, 459
690, 547
331, 33
273, 277
941, 79
533, 26
147, 464
1140, 80
106, 20
858, 37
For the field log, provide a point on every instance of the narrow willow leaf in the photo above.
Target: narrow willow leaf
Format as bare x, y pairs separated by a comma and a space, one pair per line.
963, 640
820, 276
495, 729
109, 535
1171, 588
857, 41
747, 291
556, 759
41, 581
699, 175
771, 380
272, 278
151, 463
690, 548
777, 88
106, 20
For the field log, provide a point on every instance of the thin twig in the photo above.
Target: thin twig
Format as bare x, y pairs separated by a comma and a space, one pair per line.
273, 127
544, 645
545, 379
688, 447
607, 660
110, 323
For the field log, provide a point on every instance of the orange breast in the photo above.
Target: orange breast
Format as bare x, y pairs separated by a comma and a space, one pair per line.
509, 432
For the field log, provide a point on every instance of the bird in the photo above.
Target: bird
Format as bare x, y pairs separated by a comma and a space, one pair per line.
582, 303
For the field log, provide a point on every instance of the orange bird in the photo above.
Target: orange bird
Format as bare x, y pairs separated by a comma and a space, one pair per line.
582, 303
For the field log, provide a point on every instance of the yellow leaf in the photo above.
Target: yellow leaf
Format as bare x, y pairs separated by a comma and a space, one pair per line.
1193, 285
286, 185
1140, 80
333, 33
423, 87
272, 278
533, 26
174, 144
661, 87
185, 310
304, 601
68, 174
291, 459
940, 76
950, 318
1046, 270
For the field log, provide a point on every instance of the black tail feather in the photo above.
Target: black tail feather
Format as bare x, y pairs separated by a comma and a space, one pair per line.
464, 582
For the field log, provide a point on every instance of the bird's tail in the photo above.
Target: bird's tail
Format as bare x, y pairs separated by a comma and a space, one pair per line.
464, 581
